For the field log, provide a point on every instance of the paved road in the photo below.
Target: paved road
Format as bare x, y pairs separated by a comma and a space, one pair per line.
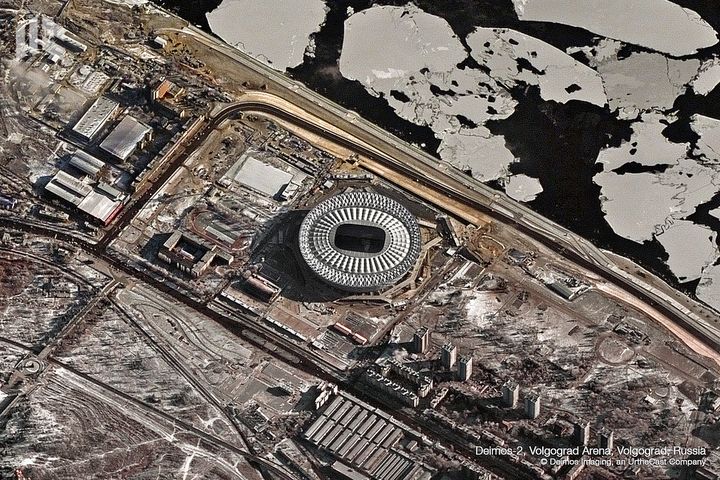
549, 235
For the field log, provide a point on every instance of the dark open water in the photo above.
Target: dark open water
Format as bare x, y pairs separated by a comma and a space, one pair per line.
557, 143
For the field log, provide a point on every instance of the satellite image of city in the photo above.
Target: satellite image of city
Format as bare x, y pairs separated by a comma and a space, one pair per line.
359, 239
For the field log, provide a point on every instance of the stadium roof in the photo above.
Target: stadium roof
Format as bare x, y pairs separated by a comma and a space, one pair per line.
360, 241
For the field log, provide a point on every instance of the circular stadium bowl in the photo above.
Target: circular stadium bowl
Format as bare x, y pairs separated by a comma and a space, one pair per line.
360, 241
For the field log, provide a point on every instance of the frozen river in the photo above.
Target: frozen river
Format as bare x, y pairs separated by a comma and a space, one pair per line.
277, 32
584, 109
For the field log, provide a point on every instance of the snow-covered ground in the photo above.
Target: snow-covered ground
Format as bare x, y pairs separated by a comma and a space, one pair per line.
656, 24
277, 32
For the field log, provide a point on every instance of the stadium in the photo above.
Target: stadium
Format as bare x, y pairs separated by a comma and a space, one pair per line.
360, 241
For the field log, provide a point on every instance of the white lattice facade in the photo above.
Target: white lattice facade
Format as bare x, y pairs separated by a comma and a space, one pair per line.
386, 248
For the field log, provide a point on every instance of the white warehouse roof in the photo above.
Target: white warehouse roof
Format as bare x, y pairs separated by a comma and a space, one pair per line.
95, 118
124, 139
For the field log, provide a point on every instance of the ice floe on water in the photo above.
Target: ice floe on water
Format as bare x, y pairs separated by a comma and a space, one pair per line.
636, 204
707, 78
280, 42
648, 146
417, 72
523, 188
385, 45
655, 201
476, 151
691, 248
708, 144
640, 205
709, 287
656, 24
645, 81
515, 57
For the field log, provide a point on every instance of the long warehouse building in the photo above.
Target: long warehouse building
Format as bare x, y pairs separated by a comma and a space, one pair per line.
125, 138
95, 118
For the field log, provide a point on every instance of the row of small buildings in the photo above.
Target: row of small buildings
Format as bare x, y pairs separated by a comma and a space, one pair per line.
365, 441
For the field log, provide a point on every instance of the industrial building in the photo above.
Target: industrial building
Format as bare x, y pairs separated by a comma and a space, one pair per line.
86, 163
261, 288
258, 176
87, 199
190, 254
561, 289
360, 241
95, 118
365, 440
347, 331
125, 138
448, 356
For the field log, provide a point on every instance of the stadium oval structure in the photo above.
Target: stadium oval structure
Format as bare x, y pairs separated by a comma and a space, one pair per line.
360, 241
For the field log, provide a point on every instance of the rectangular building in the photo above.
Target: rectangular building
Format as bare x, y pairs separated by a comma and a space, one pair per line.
421, 340
86, 163
95, 118
465, 367
448, 355
125, 138
532, 406
510, 394
84, 197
